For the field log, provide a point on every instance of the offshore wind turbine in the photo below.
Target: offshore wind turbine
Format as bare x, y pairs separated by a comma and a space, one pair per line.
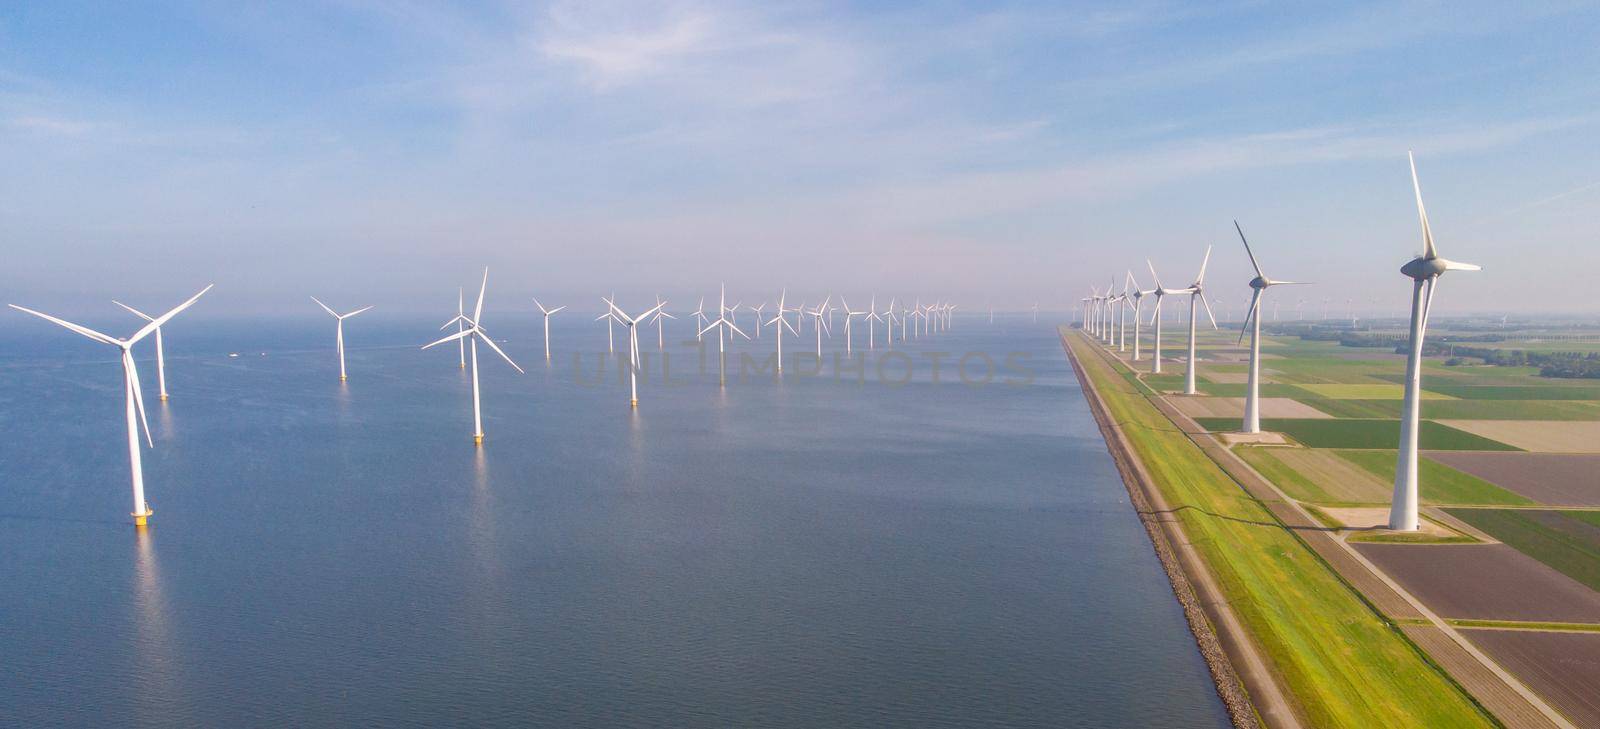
699, 318
161, 355
820, 317
782, 321
872, 318
547, 314
757, 310
1424, 271
1252, 324
661, 336
848, 315
611, 342
720, 324
476, 333
338, 337
131, 392
632, 323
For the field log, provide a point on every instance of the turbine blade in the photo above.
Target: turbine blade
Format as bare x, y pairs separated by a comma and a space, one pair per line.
735, 328
452, 337
1207, 305
559, 308
1255, 301
541, 306
1428, 250
1427, 302
1203, 263
1458, 266
496, 348
136, 312
1247, 251
85, 331
324, 307
1152, 274
357, 311
164, 318
652, 311
138, 393
477, 311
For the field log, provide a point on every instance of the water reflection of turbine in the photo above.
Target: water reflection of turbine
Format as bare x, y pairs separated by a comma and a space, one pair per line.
155, 684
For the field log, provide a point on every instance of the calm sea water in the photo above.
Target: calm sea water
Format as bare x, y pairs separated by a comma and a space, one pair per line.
805, 553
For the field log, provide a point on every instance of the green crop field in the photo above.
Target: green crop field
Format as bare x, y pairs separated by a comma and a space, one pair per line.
1569, 545
1525, 392
1343, 664
1463, 409
1439, 484
1367, 434
1237, 389
1368, 391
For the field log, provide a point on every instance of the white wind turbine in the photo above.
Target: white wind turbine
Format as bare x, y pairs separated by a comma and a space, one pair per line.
547, 314
1197, 295
888, 330
700, 320
757, 310
820, 320
781, 320
1138, 306
131, 392
848, 315
661, 313
161, 355
611, 341
338, 337
476, 333
720, 325
1155, 317
460, 322
1252, 324
632, 323
1425, 271
872, 319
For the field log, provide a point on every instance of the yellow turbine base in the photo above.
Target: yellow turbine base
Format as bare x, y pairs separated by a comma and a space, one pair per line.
142, 519
342, 378
477, 440
163, 397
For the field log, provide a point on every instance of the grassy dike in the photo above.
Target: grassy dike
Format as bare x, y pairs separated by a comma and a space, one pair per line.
1341, 663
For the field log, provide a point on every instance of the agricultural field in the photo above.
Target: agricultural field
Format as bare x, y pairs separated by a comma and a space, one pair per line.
1567, 543
1548, 478
1485, 582
1539, 436
1372, 434
1439, 483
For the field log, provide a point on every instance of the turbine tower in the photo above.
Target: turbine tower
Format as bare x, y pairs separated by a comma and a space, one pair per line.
476, 333
848, 315
780, 318
720, 324
1252, 324
661, 335
1424, 271
338, 337
1155, 317
1197, 295
161, 355
873, 318
131, 392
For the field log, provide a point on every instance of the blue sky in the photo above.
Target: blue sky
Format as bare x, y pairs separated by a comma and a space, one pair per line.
383, 152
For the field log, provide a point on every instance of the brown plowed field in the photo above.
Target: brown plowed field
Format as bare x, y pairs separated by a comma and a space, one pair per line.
1548, 478
1564, 668
1485, 581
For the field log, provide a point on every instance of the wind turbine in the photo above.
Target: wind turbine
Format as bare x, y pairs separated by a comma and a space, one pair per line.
1252, 324
547, 314
820, 317
1138, 306
161, 356
782, 321
338, 337
611, 342
1425, 271
1036, 312
872, 318
757, 310
476, 333
699, 318
1197, 296
721, 324
848, 315
130, 390
1155, 317
632, 323
661, 336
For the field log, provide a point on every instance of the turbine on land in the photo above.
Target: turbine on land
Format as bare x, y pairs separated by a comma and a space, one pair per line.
1197, 295
338, 337
130, 390
1155, 316
1252, 324
1425, 271
476, 333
